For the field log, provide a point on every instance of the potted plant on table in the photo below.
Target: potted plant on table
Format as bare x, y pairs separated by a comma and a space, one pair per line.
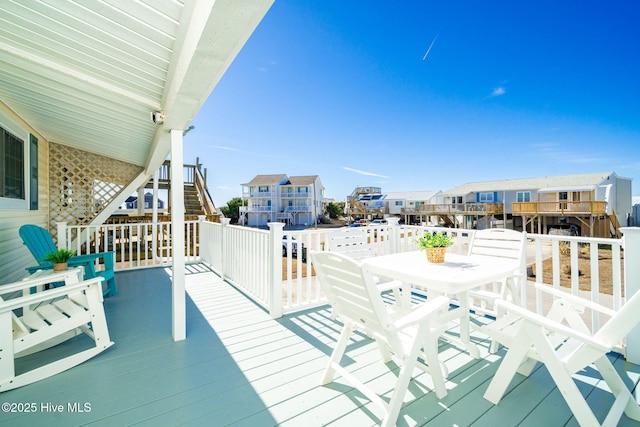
59, 258
435, 244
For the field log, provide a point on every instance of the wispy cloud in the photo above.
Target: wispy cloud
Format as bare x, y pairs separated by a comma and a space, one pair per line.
558, 152
361, 172
243, 152
499, 91
269, 66
223, 187
222, 147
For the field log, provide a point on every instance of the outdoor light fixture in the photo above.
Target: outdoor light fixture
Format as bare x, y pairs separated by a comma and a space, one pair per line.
157, 117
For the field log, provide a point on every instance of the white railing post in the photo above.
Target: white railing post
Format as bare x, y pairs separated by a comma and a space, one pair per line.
62, 235
394, 235
197, 237
223, 248
632, 285
275, 260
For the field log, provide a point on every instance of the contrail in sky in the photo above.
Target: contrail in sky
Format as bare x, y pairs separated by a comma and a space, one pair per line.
361, 172
430, 46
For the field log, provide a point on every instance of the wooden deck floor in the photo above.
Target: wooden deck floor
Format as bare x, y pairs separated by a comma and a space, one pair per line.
238, 367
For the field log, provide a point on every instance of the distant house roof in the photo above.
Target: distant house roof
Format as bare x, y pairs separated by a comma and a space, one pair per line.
411, 195
267, 179
558, 183
302, 180
282, 179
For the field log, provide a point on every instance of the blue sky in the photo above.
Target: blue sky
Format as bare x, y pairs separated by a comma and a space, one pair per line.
420, 95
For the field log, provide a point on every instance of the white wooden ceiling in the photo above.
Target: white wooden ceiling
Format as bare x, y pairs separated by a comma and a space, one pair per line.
89, 73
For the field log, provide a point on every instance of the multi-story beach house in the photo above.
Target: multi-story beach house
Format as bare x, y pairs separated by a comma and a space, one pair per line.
295, 200
594, 204
372, 202
406, 204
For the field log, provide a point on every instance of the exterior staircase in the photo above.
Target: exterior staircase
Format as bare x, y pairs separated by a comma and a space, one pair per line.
192, 203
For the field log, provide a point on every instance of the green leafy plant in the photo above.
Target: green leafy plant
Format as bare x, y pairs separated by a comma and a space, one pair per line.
59, 256
434, 240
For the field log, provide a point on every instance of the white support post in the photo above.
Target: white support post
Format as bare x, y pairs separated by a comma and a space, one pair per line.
276, 231
154, 217
140, 201
178, 289
62, 235
632, 285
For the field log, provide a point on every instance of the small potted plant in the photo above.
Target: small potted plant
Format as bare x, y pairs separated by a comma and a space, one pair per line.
59, 258
435, 244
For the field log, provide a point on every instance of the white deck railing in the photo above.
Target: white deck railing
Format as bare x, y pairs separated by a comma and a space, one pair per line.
136, 245
252, 259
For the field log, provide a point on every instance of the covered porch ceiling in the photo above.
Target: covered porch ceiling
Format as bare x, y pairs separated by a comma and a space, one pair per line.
90, 74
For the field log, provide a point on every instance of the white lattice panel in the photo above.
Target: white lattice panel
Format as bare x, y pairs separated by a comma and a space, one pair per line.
82, 184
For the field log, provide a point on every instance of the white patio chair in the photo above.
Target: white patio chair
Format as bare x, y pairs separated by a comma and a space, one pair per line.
36, 322
411, 335
350, 241
354, 243
563, 342
501, 243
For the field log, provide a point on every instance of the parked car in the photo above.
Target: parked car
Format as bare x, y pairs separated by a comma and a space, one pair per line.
378, 222
294, 246
357, 224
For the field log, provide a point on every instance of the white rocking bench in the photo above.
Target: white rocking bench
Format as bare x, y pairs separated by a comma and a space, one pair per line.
411, 335
35, 322
563, 342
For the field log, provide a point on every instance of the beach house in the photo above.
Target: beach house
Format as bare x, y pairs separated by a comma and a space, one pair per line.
295, 200
593, 204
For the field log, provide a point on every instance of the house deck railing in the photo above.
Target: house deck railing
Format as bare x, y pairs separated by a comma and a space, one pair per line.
252, 259
560, 208
456, 209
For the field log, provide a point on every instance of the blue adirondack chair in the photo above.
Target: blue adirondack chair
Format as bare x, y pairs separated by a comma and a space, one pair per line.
39, 242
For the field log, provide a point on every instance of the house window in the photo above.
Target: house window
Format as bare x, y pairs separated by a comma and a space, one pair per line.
486, 197
303, 189
11, 166
563, 197
399, 203
263, 189
18, 167
523, 196
33, 168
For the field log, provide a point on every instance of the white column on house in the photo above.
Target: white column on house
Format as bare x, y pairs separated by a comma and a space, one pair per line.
140, 201
154, 216
178, 292
632, 285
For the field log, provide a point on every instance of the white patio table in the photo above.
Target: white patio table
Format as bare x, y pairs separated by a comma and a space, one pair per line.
456, 276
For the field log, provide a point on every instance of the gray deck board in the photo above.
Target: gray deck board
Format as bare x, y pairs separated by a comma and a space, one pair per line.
240, 367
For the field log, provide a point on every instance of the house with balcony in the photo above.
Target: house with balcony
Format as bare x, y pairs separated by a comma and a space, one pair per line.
592, 204
406, 204
372, 202
365, 203
295, 200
